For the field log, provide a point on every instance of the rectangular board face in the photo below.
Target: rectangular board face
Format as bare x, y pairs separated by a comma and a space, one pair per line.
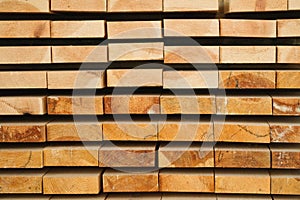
285, 156
24, 6
78, 5
288, 79
135, 6
288, 54
285, 182
255, 6
286, 106
191, 5
285, 132
288, 27
294, 5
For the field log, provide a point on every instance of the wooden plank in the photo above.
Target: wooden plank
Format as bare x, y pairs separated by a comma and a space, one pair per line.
117, 181
23, 79
25, 197
135, 51
288, 27
188, 196
244, 197
134, 29
79, 54
75, 155
248, 28
19, 132
241, 131
288, 79
180, 104
78, 5
25, 29
285, 182
250, 79
285, 132
255, 5
242, 156
82, 197
247, 54
285, 156
26, 6
74, 131
78, 105
191, 5
286, 105
191, 54
184, 156
191, 27
294, 5
25, 55
23, 105
242, 181
76, 79
12, 181
134, 196
130, 131
134, 6
248, 105
185, 131
78, 29
288, 54
21, 157
131, 104
127, 155
72, 181
188, 180
134, 77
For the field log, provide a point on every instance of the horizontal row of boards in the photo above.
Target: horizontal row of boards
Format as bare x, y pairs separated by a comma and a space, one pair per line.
216, 130
42, 6
152, 104
168, 79
150, 29
150, 51
95, 180
151, 155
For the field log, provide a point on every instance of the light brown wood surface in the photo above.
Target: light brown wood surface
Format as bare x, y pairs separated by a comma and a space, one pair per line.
130, 131
24, 6
75, 155
25, 29
255, 5
134, 29
186, 180
25, 55
12, 181
23, 79
78, 29
190, 5
242, 156
185, 156
78, 5
76, 79
115, 181
21, 157
191, 27
248, 28
79, 54
285, 156
294, 5
78, 105
74, 131
34, 105
285, 132
285, 182
288, 27
250, 79
242, 181
72, 181
247, 54
134, 77
134, 6
127, 155
288, 79
286, 105
180, 104
136, 51
288, 54
132, 104
191, 54
247, 105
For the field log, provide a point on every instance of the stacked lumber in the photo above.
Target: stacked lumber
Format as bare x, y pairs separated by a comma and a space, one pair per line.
118, 99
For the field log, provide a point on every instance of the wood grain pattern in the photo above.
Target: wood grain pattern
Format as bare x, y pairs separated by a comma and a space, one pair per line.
285, 132
24, 6
190, 5
255, 5
288, 27
134, 6
78, 105
285, 156
288, 79
76, 79
285, 182
288, 54
286, 105
23, 105
114, 181
78, 5
191, 27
